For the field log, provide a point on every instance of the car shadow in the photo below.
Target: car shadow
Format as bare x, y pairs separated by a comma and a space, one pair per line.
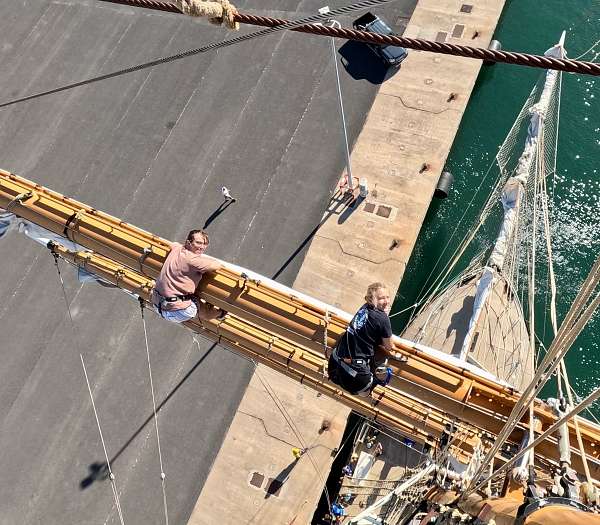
362, 64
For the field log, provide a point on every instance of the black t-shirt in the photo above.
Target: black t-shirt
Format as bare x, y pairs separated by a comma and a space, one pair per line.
365, 332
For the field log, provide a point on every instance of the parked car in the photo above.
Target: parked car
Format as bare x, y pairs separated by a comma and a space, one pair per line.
391, 56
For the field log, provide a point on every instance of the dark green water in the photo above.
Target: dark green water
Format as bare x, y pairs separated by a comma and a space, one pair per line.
530, 26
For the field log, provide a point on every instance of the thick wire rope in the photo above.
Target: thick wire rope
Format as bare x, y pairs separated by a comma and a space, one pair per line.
154, 411
113, 481
209, 47
524, 59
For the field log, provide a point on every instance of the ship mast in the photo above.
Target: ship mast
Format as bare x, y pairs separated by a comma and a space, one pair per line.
512, 196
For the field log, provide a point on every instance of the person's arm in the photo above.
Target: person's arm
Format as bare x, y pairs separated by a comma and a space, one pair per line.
205, 263
386, 341
212, 265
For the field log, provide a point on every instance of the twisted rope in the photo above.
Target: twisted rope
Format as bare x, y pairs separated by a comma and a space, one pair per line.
490, 55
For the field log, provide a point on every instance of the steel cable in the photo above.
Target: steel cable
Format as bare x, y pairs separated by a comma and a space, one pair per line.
489, 55
209, 47
155, 413
111, 476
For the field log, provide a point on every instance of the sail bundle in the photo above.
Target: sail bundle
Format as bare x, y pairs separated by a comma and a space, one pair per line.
485, 307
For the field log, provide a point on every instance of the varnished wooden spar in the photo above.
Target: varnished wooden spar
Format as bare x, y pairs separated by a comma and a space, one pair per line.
295, 321
394, 408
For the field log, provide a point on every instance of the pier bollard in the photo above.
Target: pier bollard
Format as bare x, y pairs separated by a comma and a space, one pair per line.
495, 45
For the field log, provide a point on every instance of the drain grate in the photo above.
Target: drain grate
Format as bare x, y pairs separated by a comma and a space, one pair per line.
257, 479
441, 36
384, 211
458, 31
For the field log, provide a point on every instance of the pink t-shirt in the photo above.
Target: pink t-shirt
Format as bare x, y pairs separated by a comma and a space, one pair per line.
181, 274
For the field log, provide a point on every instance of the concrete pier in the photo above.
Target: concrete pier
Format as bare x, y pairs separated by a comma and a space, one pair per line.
401, 151
154, 147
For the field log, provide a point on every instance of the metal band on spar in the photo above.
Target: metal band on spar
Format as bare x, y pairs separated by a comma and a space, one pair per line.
479, 53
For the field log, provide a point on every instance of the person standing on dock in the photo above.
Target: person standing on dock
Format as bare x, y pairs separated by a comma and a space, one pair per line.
173, 294
352, 363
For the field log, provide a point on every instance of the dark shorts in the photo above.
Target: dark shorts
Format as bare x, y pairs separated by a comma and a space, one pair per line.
355, 378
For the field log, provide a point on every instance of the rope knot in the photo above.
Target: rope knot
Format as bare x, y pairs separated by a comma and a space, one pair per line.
218, 12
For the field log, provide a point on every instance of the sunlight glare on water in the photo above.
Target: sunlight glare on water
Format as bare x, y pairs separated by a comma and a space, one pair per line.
501, 90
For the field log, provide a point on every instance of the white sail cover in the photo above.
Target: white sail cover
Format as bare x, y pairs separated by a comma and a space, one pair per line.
511, 198
9, 221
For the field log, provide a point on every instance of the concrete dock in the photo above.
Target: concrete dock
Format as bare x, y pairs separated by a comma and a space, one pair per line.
154, 147
401, 151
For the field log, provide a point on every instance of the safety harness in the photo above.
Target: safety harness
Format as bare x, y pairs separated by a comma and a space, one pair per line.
172, 299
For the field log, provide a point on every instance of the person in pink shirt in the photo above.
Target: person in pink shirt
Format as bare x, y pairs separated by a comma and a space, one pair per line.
173, 294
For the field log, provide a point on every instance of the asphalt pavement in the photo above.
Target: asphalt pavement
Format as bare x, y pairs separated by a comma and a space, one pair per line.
153, 147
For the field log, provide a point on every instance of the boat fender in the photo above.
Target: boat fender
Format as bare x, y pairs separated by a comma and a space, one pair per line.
495, 45
443, 186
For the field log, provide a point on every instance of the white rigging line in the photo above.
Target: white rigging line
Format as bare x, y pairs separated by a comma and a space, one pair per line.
582, 405
278, 403
160, 459
437, 283
586, 52
468, 238
553, 318
577, 317
113, 481
280, 406
531, 283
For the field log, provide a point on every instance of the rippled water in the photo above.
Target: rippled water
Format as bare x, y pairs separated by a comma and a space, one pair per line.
530, 26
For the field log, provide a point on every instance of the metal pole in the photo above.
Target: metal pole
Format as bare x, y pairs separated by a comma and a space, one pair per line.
336, 24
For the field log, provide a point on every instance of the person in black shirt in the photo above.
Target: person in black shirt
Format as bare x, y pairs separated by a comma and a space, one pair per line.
351, 364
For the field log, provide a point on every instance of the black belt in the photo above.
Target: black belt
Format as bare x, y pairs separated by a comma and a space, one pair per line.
172, 299
175, 298
346, 366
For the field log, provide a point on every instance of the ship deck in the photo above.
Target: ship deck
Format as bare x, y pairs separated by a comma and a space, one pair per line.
500, 343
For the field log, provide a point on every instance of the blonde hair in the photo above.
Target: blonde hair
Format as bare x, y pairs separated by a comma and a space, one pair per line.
372, 289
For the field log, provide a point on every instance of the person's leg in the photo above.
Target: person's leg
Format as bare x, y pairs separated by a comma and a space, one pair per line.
180, 316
